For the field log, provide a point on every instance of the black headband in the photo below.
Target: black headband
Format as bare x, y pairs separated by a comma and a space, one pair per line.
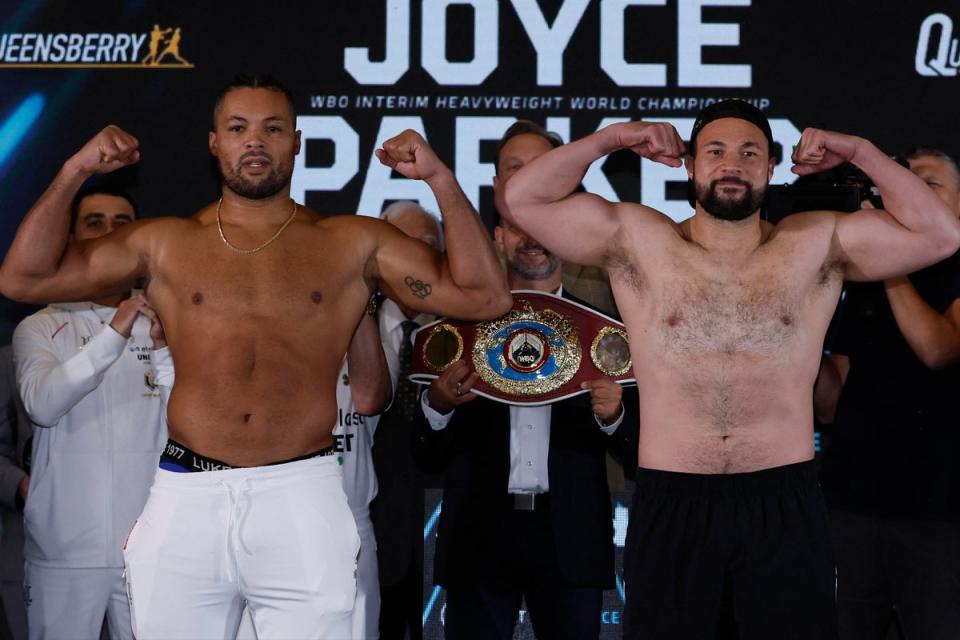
731, 109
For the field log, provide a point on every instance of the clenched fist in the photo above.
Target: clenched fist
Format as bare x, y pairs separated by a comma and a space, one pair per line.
111, 149
820, 150
411, 156
657, 141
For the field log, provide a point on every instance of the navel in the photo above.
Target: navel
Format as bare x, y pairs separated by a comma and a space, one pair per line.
247, 416
673, 319
316, 297
786, 320
197, 298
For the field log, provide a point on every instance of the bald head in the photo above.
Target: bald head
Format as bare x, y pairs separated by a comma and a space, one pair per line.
415, 221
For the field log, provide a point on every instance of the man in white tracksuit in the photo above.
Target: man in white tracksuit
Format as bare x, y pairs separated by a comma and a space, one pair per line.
367, 392
83, 371
353, 437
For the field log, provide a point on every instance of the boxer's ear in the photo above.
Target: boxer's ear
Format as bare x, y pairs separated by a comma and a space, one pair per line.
498, 237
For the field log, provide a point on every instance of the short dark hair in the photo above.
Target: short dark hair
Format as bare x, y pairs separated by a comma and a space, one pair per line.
932, 152
253, 81
99, 189
525, 127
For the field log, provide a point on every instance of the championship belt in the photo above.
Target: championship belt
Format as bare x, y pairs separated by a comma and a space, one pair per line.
538, 353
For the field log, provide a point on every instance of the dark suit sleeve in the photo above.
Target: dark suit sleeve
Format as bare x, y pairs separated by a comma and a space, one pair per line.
623, 443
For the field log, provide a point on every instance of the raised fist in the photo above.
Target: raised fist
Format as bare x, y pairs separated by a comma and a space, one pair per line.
411, 156
820, 150
111, 149
657, 141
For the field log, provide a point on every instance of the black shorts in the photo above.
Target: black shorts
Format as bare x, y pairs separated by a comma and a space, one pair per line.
744, 555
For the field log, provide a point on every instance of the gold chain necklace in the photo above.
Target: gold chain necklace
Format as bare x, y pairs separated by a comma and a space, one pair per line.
293, 214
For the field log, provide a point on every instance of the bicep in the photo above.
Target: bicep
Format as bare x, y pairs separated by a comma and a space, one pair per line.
578, 229
875, 246
109, 266
95, 268
415, 275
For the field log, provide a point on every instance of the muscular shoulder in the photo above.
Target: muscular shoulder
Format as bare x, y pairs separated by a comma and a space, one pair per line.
353, 222
812, 239
813, 232
644, 234
635, 216
148, 233
641, 229
359, 230
811, 223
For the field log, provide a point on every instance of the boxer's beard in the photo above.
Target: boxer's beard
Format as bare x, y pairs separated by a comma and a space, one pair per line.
270, 184
730, 208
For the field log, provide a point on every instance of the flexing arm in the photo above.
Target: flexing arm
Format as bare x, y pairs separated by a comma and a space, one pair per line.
915, 229
467, 281
370, 379
933, 336
42, 267
579, 227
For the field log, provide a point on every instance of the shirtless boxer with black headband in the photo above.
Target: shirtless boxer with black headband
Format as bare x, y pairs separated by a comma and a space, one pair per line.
726, 316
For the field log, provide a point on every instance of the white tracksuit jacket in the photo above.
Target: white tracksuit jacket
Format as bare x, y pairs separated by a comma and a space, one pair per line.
97, 436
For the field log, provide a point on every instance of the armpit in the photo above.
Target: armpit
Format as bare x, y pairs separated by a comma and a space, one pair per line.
621, 265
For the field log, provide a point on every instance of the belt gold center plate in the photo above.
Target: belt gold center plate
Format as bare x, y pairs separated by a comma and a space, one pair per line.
527, 352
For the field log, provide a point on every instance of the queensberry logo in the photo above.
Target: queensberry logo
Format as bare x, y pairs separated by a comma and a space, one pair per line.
938, 52
158, 48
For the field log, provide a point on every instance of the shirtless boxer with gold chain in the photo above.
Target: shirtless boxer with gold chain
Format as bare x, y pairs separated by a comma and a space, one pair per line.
259, 297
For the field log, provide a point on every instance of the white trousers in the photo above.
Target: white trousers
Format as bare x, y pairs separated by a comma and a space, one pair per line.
279, 538
366, 609
365, 621
71, 603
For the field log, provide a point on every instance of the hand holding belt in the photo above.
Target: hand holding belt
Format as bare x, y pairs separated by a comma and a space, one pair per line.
538, 353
